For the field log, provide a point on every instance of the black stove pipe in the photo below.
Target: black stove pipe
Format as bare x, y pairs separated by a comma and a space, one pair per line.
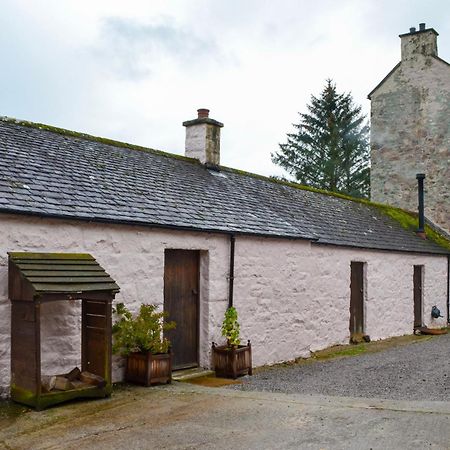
231, 276
421, 230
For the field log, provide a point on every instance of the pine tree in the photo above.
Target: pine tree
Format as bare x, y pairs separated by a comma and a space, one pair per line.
329, 149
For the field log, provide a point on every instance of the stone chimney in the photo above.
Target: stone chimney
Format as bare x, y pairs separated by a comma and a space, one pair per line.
203, 138
419, 42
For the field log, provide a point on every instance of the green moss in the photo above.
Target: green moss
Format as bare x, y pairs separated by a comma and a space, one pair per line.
351, 350
51, 256
406, 219
89, 137
10, 411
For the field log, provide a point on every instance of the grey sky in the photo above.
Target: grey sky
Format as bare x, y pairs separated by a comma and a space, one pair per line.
135, 70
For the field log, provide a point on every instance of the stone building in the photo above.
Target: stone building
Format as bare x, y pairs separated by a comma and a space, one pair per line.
410, 129
311, 268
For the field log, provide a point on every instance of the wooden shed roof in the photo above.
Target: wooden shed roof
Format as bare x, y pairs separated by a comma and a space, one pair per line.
66, 273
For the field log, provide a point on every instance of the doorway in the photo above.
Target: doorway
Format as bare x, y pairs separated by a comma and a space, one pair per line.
357, 299
181, 302
418, 296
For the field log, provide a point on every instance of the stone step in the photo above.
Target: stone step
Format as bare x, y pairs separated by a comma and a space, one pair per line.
188, 374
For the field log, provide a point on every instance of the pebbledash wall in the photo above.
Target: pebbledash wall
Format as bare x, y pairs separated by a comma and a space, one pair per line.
292, 296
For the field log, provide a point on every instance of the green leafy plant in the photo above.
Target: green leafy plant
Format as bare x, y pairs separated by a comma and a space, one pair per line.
142, 333
230, 327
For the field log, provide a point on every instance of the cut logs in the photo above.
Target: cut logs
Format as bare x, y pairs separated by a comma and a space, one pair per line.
75, 379
74, 374
90, 378
63, 384
48, 383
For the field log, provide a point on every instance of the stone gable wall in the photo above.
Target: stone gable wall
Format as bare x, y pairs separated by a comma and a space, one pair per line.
410, 133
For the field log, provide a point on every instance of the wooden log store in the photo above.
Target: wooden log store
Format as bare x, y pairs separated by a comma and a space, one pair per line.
36, 278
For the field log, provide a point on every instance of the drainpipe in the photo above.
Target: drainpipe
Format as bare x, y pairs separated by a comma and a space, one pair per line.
231, 277
448, 289
421, 230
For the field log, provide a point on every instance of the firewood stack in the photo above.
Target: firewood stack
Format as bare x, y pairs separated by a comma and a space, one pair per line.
75, 379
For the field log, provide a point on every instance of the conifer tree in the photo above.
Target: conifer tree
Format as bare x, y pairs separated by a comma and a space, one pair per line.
329, 149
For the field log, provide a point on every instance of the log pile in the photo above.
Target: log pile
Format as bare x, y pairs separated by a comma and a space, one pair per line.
75, 379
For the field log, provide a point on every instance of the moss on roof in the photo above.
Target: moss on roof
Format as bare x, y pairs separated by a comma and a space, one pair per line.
89, 137
408, 220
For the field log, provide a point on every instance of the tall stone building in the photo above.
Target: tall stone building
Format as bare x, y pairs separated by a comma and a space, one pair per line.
410, 128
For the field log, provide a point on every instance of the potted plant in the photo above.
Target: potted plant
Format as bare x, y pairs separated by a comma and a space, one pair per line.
232, 359
140, 339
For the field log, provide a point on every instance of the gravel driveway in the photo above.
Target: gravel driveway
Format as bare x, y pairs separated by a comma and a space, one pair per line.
417, 371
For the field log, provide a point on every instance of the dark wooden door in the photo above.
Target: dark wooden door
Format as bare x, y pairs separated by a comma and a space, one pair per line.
417, 281
357, 298
181, 287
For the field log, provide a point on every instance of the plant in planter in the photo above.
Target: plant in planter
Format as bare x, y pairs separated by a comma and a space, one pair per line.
232, 359
140, 339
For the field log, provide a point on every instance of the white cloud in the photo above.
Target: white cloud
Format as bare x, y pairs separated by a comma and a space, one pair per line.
135, 70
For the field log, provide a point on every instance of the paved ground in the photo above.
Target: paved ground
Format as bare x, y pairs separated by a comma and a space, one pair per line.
418, 371
184, 416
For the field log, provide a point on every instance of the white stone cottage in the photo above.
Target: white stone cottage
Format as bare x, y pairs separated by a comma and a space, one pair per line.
166, 228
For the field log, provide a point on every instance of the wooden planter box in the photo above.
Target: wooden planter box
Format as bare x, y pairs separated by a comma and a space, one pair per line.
232, 362
147, 369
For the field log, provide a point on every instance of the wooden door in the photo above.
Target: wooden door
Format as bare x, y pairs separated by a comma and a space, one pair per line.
357, 298
181, 302
417, 281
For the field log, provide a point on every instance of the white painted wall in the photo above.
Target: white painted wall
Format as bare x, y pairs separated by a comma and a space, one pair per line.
292, 297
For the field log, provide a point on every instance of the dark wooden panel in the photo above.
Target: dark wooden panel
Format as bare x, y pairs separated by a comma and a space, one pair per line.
25, 346
96, 338
59, 265
357, 298
71, 279
50, 256
418, 286
181, 301
95, 321
75, 287
62, 273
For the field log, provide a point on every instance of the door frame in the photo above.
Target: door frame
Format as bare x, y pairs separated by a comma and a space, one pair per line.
363, 268
198, 305
418, 269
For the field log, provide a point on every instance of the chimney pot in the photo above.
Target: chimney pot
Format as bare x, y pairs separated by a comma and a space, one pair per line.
416, 45
203, 113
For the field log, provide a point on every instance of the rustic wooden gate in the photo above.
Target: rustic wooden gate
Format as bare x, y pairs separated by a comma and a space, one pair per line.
357, 298
181, 302
417, 281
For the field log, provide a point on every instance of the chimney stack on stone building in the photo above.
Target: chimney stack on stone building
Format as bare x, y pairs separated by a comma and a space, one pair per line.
419, 42
410, 131
203, 138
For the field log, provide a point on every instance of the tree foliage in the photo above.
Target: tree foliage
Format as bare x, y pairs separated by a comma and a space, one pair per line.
329, 149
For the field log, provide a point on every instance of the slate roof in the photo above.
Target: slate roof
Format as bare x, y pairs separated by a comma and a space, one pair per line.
63, 174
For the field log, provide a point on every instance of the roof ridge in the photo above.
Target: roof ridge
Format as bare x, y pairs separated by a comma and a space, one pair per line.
90, 137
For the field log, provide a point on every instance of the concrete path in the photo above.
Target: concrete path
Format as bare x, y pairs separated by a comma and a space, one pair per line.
184, 416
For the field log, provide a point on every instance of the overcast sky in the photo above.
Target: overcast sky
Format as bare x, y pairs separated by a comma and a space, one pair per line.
134, 70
